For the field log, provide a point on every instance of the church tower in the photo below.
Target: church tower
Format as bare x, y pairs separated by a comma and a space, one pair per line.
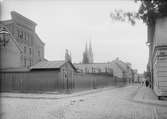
88, 55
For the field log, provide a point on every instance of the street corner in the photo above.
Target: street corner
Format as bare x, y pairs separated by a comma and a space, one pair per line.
147, 95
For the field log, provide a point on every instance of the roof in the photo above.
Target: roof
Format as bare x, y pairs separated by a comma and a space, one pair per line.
16, 15
48, 65
18, 69
91, 64
122, 65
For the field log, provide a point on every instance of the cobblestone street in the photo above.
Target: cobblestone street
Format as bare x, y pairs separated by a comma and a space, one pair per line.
113, 103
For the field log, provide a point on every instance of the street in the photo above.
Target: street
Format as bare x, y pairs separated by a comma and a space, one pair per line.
116, 103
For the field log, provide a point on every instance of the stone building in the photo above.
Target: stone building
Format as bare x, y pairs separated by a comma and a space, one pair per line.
24, 47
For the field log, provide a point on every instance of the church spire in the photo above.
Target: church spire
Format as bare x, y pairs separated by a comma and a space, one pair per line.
90, 52
86, 48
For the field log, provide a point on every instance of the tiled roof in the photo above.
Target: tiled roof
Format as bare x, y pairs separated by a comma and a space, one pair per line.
48, 65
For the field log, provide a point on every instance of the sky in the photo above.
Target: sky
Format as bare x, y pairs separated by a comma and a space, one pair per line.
69, 24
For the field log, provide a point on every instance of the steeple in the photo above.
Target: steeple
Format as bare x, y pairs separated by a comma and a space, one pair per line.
90, 52
86, 48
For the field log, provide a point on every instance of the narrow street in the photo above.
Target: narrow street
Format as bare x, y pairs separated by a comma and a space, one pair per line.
106, 104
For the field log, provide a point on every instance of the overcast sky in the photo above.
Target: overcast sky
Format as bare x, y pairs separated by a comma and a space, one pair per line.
68, 24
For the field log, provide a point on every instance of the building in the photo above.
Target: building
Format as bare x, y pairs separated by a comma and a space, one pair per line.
62, 71
127, 71
98, 68
157, 63
88, 55
116, 68
157, 44
20, 45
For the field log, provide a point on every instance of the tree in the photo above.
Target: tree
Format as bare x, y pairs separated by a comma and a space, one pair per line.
149, 11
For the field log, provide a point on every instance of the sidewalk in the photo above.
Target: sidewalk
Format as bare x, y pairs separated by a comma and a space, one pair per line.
51, 95
146, 95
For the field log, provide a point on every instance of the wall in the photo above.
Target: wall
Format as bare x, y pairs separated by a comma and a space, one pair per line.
9, 54
160, 36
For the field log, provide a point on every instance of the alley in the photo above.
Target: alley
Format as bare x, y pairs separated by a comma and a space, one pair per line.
114, 103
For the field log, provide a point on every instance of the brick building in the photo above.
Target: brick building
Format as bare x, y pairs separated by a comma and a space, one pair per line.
20, 46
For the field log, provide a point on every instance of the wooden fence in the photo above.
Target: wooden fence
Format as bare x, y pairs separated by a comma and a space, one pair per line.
51, 81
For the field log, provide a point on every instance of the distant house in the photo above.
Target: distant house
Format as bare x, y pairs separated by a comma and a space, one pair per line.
127, 72
116, 68
98, 68
63, 71
117, 72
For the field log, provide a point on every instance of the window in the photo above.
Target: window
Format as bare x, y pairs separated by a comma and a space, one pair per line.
25, 36
162, 53
25, 50
31, 40
30, 51
30, 62
21, 34
25, 62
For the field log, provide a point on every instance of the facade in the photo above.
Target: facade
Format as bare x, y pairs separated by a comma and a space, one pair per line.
157, 64
21, 33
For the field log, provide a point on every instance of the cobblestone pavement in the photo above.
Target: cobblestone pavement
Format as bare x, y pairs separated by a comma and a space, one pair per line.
108, 104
